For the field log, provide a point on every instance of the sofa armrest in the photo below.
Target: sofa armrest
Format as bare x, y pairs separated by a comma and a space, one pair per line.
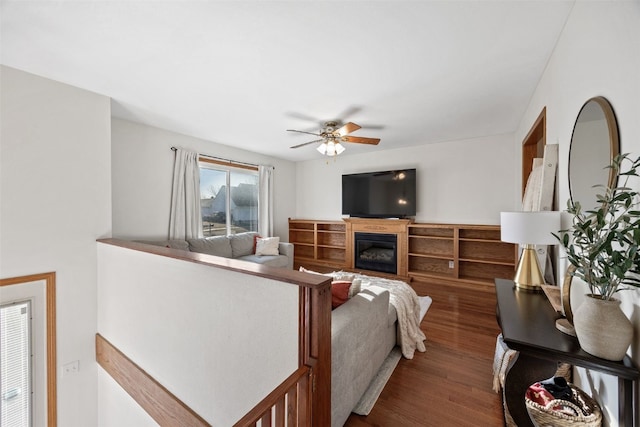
285, 248
358, 330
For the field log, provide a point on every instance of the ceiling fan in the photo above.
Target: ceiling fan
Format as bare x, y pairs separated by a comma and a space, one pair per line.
332, 135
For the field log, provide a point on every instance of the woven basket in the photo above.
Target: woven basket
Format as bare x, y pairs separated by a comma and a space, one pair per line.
545, 416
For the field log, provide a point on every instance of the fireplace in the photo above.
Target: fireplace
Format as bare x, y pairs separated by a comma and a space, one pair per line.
376, 252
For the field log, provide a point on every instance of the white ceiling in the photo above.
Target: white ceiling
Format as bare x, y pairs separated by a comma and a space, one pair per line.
240, 73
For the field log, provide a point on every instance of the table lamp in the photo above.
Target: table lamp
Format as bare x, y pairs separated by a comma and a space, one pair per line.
529, 229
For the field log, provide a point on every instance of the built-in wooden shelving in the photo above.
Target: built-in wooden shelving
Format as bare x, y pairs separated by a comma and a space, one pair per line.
320, 243
470, 253
450, 252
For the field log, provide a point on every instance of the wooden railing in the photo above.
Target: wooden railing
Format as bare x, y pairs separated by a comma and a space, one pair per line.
163, 406
288, 404
303, 399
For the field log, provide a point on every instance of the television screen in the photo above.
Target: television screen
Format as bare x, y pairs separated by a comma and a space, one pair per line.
385, 194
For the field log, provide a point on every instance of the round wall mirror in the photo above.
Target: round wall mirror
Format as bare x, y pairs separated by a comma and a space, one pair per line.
594, 143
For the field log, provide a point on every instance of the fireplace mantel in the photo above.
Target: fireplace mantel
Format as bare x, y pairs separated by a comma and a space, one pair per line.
377, 225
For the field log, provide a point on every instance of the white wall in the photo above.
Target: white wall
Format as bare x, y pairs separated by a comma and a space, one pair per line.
597, 54
142, 171
468, 181
55, 194
199, 330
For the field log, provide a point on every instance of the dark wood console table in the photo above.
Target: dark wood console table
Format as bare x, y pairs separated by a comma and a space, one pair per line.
527, 321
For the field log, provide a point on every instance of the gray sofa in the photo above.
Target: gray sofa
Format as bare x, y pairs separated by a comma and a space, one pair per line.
238, 246
363, 332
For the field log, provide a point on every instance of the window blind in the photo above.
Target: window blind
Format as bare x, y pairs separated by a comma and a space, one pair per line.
15, 364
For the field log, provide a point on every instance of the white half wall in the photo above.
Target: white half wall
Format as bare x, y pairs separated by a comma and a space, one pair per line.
598, 54
197, 329
55, 191
468, 181
142, 172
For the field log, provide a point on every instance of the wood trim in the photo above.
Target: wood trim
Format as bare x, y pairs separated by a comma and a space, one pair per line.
533, 145
50, 292
275, 273
163, 406
315, 348
229, 163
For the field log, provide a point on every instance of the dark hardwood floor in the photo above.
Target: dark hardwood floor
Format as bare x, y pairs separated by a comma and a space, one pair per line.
451, 383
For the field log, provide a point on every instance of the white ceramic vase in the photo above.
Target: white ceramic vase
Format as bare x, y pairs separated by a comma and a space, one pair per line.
602, 328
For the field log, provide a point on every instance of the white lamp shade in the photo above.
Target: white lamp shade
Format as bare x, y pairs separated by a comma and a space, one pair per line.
331, 148
533, 228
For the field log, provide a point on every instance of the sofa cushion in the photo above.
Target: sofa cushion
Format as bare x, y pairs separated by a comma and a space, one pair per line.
217, 245
267, 246
242, 243
270, 260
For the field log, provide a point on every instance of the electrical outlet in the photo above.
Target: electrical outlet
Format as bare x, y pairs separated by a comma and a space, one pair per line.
451, 264
71, 368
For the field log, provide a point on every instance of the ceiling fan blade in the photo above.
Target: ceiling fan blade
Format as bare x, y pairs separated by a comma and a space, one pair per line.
301, 131
302, 116
347, 128
350, 111
370, 126
360, 140
307, 143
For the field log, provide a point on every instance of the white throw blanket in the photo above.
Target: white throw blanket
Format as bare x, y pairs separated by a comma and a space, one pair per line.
405, 300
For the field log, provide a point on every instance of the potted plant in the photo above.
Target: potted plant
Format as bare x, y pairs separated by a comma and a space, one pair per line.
603, 244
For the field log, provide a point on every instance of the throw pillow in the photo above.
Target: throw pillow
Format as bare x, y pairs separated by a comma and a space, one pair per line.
267, 246
339, 292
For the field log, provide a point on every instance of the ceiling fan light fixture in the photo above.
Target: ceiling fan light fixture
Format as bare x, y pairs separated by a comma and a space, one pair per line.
333, 135
331, 148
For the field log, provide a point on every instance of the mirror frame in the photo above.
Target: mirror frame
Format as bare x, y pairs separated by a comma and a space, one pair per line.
566, 294
614, 138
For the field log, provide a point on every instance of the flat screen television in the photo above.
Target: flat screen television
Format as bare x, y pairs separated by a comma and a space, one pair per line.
384, 194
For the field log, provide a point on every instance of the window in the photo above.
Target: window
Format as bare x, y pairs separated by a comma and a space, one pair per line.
15, 365
228, 198
28, 350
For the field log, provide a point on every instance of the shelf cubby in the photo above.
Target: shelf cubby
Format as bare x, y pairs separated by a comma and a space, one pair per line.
431, 246
318, 243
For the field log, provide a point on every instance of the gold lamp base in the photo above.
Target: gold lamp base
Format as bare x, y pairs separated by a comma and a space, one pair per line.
528, 275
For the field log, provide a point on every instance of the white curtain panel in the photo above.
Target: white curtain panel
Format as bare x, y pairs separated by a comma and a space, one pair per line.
185, 221
265, 200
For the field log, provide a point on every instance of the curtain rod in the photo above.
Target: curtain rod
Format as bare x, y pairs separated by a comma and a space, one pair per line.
223, 159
